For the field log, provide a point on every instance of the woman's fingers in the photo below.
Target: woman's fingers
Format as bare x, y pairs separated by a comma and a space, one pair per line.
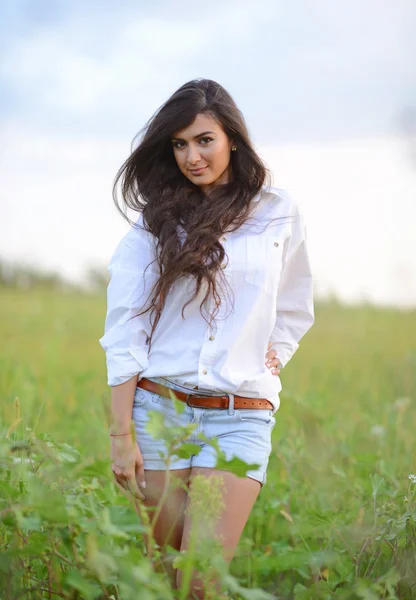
272, 361
127, 481
139, 468
133, 488
271, 354
128, 466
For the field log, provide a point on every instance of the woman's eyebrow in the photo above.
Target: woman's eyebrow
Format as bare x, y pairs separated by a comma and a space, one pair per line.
197, 136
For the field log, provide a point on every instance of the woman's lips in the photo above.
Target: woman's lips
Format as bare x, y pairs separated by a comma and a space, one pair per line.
197, 171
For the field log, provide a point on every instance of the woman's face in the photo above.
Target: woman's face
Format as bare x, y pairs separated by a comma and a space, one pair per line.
203, 145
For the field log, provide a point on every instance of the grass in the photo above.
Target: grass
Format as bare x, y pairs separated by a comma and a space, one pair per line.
335, 520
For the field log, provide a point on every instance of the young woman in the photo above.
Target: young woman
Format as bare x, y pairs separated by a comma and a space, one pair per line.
209, 230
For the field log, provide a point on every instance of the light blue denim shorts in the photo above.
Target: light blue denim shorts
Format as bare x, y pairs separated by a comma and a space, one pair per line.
243, 433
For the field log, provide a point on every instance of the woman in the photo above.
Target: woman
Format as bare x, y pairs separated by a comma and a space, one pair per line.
206, 217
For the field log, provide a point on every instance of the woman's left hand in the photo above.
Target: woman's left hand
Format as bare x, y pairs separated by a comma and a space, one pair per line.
272, 360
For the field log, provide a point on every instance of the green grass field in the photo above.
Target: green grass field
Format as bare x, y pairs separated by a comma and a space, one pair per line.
335, 520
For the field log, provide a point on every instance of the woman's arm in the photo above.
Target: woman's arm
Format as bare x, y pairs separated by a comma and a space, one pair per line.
126, 333
125, 345
122, 397
295, 308
127, 459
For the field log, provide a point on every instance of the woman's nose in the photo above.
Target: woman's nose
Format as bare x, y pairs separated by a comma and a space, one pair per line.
193, 154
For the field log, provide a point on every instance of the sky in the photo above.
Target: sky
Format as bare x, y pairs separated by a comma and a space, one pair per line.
323, 87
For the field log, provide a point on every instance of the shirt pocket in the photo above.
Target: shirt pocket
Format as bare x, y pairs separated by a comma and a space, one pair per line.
264, 261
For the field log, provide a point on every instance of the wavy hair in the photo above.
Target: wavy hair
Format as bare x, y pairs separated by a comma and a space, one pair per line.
152, 183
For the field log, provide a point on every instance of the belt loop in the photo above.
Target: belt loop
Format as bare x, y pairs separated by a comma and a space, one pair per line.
231, 404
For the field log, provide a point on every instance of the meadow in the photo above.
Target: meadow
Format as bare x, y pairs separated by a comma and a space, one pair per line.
336, 519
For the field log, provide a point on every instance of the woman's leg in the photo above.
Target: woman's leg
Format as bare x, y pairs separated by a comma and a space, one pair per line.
238, 497
169, 525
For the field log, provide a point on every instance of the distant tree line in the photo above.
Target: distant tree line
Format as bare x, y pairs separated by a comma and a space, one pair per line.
17, 275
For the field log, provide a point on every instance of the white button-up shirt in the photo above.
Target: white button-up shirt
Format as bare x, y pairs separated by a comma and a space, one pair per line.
268, 270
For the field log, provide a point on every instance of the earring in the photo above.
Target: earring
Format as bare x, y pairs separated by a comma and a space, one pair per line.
234, 148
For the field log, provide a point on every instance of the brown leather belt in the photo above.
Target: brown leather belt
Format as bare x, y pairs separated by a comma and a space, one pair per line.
204, 401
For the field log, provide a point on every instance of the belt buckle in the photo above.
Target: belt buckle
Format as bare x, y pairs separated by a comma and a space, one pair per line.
213, 408
187, 401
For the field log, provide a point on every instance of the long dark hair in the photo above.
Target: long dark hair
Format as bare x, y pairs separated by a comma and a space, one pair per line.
152, 183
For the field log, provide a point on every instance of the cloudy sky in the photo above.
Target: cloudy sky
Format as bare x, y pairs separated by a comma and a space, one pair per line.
323, 87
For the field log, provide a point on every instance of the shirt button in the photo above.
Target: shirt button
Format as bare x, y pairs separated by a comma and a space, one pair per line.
211, 337
276, 243
204, 372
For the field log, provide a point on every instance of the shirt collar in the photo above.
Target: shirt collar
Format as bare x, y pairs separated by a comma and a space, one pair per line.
259, 195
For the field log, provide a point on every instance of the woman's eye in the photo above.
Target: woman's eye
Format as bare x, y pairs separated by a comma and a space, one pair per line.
179, 145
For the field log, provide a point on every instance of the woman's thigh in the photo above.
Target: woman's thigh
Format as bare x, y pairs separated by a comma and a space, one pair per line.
170, 487
237, 498
168, 527
170, 507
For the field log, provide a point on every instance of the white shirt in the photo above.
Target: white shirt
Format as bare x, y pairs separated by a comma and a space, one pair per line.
269, 272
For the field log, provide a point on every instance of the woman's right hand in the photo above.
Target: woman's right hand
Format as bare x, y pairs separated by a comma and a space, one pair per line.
127, 464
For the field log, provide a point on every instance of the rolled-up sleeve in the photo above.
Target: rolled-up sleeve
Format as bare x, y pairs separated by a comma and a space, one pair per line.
295, 305
125, 335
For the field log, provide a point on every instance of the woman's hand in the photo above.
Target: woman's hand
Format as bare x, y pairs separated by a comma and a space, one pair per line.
127, 464
273, 360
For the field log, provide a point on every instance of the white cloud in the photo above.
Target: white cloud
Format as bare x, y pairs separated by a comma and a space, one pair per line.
297, 69
144, 55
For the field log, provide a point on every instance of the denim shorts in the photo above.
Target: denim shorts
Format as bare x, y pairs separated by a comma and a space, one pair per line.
243, 433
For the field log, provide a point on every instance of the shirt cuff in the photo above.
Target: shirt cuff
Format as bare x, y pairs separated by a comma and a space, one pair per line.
284, 351
123, 364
